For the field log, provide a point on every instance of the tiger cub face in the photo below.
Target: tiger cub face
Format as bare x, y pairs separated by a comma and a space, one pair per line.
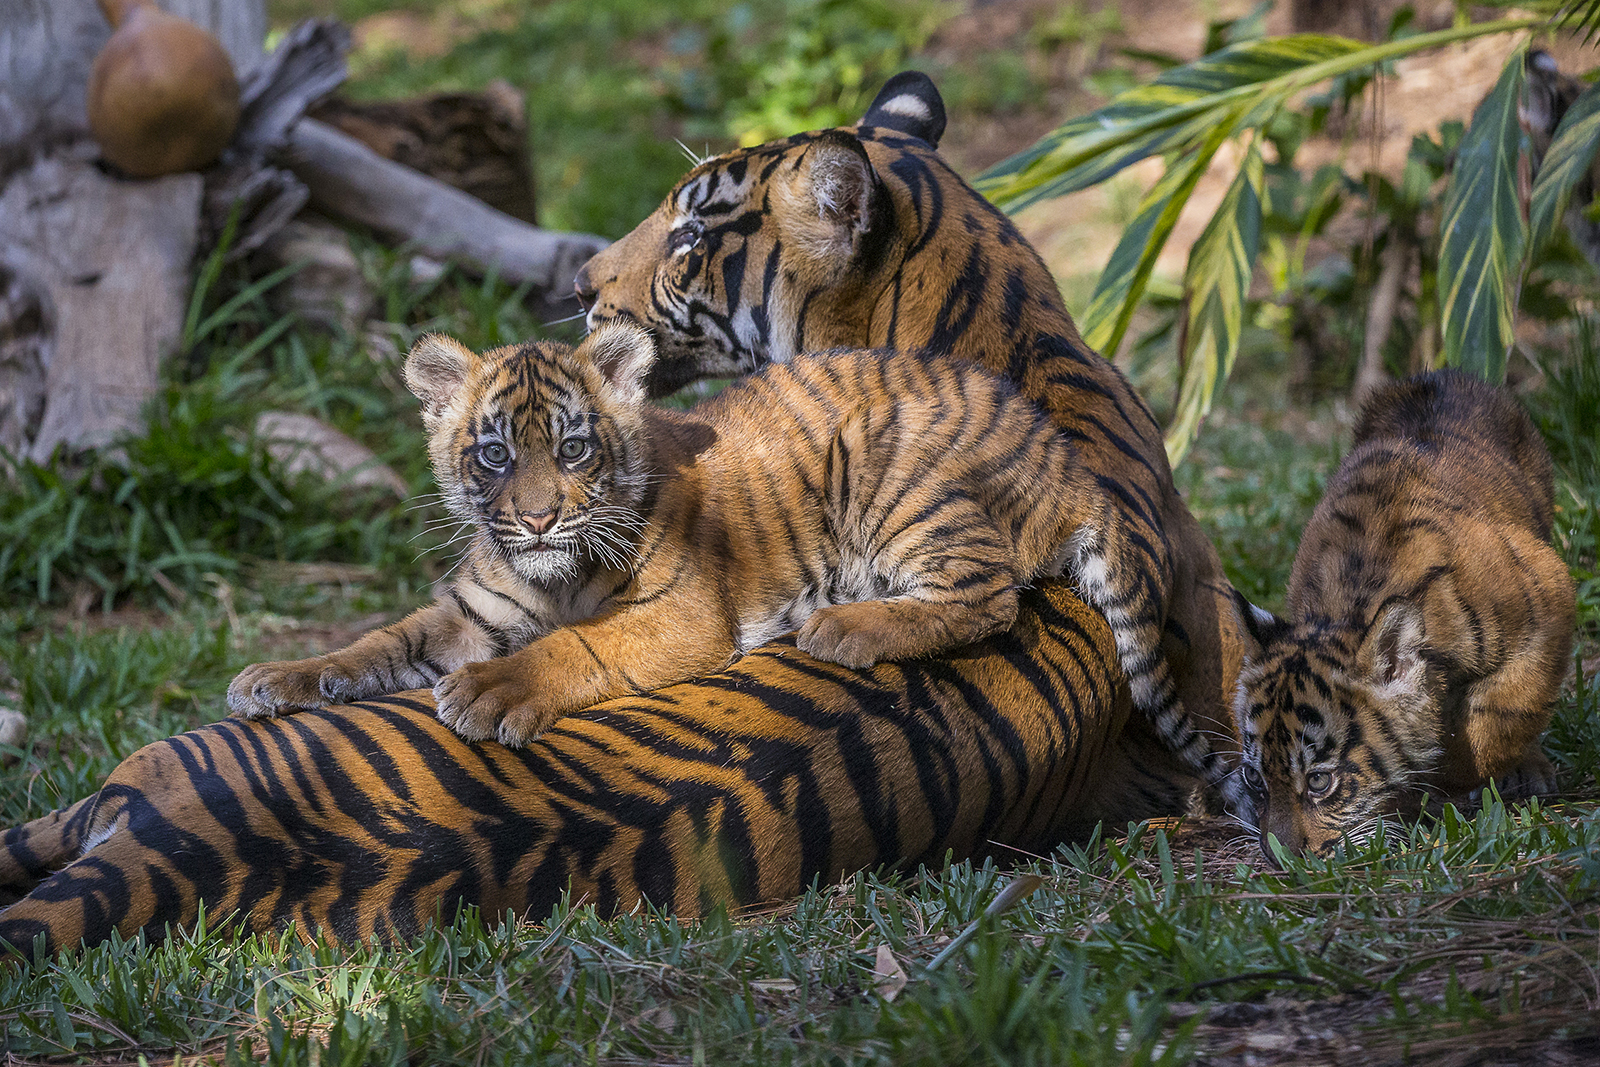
1334, 725
540, 447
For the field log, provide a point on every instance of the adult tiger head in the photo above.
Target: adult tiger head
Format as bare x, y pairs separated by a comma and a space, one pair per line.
845, 237
538, 446
1336, 727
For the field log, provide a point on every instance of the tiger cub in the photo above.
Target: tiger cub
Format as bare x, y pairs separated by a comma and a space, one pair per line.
1429, 623
890, 506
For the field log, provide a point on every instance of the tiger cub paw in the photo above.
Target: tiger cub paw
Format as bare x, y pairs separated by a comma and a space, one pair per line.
852, 635
492, 701
1533, 776
266, 690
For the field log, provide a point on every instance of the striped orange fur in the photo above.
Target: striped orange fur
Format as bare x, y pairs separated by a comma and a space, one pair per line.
368, 820
887, 505
847, 238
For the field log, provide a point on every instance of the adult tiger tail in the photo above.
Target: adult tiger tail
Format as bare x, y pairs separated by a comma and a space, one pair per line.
368, 821
1430, 623
866, 238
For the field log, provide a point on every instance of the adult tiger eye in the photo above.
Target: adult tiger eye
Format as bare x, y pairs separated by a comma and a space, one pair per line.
685, 236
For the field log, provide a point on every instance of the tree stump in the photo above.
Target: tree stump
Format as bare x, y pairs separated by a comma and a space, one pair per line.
112, 259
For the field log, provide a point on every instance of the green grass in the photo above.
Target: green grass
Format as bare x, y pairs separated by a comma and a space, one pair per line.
1134, 951
1148, 946
1152, 948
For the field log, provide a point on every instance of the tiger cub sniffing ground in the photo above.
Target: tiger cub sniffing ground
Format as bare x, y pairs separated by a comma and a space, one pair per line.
1429, 623
890, 506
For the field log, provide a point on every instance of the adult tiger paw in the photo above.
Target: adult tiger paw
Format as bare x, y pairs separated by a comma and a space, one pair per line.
266, 690
492, 701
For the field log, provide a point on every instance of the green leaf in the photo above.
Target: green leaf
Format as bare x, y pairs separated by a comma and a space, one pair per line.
1568, 160
1215, 287
1182, 106
1122, 283
1483, 233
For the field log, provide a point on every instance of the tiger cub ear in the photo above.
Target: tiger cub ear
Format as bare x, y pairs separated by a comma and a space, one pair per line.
1391, 654
436, 370
1258, 627
624, 354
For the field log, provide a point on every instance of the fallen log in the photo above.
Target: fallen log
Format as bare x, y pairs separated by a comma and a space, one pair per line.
351, 181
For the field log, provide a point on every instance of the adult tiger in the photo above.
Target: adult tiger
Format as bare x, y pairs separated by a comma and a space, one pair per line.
372, 820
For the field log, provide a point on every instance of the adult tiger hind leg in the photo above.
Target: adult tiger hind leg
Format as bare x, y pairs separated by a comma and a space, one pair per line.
367, 822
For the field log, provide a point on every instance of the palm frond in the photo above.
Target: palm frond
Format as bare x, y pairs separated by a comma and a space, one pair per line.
1214, 290
1571, 152
1483, 233
1127, 274
1183, 105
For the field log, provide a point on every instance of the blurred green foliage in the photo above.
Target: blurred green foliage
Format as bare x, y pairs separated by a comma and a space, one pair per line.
612, 83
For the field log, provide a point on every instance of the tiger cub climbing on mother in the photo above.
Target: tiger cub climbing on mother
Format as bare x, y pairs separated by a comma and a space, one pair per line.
865, 238
888, 505
829, 219
1430, 623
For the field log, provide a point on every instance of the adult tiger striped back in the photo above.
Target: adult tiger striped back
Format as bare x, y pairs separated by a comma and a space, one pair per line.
746, 786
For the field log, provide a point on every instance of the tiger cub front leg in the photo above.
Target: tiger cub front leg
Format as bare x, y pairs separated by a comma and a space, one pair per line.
412, 654
958, 584
515, 698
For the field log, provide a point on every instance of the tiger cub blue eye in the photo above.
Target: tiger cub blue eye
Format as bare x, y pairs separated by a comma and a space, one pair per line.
1319, 782
574, 448
494, 454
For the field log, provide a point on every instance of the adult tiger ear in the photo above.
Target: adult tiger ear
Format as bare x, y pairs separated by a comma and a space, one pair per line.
828, 206
624, 354
436, 370
909, 104
1391, 654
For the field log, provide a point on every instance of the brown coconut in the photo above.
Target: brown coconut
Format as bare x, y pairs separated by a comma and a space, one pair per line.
163, 97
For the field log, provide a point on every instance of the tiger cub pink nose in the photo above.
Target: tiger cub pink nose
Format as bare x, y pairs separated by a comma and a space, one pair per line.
537, 523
